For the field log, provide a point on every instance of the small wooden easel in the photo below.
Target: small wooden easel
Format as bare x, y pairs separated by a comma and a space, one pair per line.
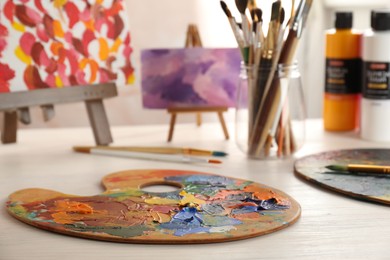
15, 105
193, 40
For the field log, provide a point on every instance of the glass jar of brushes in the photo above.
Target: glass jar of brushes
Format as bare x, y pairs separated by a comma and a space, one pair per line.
270, 111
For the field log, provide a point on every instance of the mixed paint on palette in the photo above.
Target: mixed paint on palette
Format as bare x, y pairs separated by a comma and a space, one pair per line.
206, 208
52, 44
189, 77
372, 188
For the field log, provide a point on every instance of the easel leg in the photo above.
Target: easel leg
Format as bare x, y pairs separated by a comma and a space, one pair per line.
10, 127
198, 119
224, 128
171, 126
99, 122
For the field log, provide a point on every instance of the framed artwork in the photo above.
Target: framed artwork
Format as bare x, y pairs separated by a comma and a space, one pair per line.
189, 77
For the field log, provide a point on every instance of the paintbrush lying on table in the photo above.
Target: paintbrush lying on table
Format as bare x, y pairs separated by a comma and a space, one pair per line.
155, 156
159, 150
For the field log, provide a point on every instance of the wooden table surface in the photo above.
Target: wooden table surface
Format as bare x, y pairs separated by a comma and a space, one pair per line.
331, 226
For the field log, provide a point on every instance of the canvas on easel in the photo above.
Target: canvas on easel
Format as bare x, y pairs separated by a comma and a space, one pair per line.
60, 52
190, 80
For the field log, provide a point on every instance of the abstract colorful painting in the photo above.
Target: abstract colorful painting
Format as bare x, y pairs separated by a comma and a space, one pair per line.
189, 77
364, 187
58, 43
205, 208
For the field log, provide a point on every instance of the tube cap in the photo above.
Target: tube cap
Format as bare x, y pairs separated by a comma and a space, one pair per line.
380, 20
343, 20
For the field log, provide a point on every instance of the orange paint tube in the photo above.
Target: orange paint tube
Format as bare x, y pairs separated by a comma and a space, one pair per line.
341, 111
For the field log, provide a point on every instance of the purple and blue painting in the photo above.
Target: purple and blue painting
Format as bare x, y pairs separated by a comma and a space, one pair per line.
189, 77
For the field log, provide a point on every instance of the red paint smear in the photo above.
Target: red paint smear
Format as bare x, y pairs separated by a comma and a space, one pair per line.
127, 51
73, 13
27, 16
5, 76
110, 29
115, 28
33, 79
61, 72
3, 44
114, 9
26, 42
36, 50
78, 45
3, 34
128, 70
38, 4
85, 15
51, 67
51, 80
41, 33
72, 59
80, 76
48, 24
106, 75
61, 56
88, 36
127, 39
109, 62
44, 59
9, 9
73, 80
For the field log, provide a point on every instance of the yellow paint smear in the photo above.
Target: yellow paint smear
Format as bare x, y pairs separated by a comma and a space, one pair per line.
22, 56
116, 45
59, 3
131, 79
161, 201
189, 199
18, 27
59, 82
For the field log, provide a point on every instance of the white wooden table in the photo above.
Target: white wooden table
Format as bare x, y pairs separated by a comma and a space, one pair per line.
332, 226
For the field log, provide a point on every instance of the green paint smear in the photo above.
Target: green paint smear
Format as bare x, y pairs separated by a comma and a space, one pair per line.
117, 231
19, 210
209, 190
124, 194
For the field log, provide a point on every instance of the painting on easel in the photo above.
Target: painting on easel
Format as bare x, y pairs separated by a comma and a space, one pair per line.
188, 77
53, 46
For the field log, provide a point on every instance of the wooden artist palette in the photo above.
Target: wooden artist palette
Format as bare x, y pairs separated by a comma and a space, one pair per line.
204, 208
372, 188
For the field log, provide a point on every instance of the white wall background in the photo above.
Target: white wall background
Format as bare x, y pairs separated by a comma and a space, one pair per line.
163, 23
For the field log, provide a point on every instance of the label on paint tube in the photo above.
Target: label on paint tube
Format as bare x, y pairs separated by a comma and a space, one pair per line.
343, 76
376, 80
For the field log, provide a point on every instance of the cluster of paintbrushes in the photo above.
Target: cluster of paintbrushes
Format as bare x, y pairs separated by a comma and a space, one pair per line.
262, 53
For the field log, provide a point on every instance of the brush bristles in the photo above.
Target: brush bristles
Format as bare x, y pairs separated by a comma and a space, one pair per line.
241, 5
276, 10
282, 16
226, 9
259, 14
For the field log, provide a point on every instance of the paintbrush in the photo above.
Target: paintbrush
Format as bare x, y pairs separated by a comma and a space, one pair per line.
233, 24
242, 6
360, 168
160, 150
146, 156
